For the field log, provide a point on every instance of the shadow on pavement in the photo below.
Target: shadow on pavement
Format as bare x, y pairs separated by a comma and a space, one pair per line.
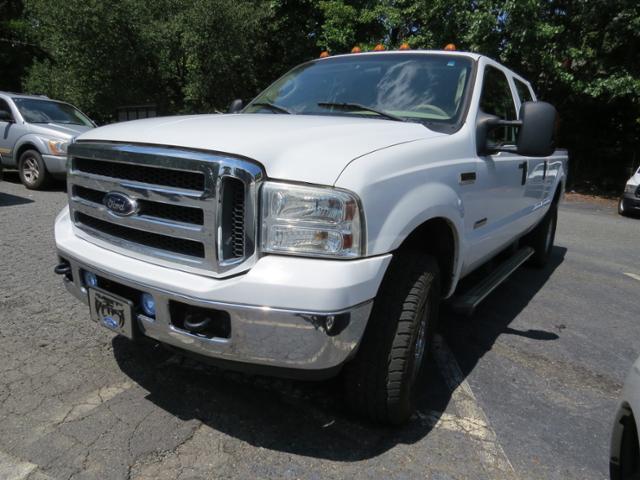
8, 200
56, 185
310, 419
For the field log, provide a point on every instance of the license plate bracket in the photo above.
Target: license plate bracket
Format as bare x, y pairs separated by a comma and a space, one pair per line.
112, 312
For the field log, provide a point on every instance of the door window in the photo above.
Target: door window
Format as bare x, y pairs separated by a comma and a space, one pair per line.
523, 91
496, 99
4, 107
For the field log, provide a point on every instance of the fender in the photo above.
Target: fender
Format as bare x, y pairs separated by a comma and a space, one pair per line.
29, 139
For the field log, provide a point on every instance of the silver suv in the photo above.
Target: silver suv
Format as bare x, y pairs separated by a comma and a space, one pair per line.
34, 134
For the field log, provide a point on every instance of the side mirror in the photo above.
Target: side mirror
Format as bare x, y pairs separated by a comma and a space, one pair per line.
236, 106
536, 131
6, 116
536, 136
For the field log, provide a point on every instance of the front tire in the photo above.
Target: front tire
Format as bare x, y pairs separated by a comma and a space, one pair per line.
33, 172
380, 382
621, 209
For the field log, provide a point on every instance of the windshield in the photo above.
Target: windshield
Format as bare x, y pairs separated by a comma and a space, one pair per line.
46, 111
415, 87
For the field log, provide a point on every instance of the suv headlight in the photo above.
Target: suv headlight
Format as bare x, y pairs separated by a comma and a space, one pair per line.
311, 221
630, 188
58, 147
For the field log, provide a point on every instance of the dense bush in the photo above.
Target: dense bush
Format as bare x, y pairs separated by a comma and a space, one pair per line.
197, 55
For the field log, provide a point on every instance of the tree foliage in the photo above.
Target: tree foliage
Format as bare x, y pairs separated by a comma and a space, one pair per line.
197, 55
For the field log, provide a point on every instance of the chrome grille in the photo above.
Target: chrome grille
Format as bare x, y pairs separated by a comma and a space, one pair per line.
196, 211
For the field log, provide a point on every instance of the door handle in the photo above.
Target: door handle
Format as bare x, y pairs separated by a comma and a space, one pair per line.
525, 167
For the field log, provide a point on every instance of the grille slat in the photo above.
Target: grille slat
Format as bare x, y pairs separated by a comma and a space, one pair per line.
141, 173
153, 240
195, 209
165, 211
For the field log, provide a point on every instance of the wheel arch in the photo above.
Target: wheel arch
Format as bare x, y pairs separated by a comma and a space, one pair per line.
438, 237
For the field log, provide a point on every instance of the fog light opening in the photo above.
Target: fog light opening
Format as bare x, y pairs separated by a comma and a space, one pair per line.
90, 279
148, 304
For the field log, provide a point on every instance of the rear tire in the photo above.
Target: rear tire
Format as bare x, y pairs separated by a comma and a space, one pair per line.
380, 382
32, 170
543, 237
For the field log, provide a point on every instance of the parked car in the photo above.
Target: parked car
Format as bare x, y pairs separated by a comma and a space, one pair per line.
36, 133
625, 449
629, 204
317, 230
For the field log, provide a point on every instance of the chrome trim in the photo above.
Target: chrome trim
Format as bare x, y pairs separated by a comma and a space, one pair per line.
260, 335
213, 166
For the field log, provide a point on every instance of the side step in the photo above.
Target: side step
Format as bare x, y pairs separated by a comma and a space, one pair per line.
466, 303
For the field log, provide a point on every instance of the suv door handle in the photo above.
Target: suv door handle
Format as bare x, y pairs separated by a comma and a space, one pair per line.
525, 167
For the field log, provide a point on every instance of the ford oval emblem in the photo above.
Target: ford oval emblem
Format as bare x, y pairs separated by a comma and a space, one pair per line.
119, 204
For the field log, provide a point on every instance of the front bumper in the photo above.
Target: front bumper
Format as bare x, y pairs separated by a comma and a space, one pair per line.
295, 316
56, 165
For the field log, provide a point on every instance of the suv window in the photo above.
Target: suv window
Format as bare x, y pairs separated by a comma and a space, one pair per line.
496, 99
4, 106
523, 91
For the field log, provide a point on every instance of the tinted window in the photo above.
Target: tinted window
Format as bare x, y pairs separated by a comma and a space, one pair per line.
417, 87
496, 99
523, 91
5, 107
46, 111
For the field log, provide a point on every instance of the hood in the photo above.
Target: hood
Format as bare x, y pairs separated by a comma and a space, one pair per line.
305, 148
58, 130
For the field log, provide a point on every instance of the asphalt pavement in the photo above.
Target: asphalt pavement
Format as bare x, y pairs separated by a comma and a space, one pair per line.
525, 389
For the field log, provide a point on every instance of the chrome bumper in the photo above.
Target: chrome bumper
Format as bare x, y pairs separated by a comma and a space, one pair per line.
294, 343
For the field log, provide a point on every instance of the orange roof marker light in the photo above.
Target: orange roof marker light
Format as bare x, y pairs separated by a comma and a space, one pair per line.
405, 46
379, 48
450, 47
356, 49
324, 54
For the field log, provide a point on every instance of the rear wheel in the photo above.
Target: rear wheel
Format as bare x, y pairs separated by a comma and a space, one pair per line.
543, 237
380, 382
33, 173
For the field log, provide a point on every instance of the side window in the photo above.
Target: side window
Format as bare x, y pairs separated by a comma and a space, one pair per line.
496, 99
4, 107
523, 91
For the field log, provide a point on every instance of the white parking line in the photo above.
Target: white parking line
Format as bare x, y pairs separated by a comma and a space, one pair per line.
632, 275
95, 399
471, 419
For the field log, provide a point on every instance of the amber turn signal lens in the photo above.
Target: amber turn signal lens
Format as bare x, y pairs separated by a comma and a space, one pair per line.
356, 49
324, 54
405, 46
450, 47
378, 48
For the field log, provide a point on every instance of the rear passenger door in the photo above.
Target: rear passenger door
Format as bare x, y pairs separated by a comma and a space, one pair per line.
537, 185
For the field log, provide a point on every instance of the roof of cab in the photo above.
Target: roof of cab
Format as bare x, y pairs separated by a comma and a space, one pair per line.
475, 56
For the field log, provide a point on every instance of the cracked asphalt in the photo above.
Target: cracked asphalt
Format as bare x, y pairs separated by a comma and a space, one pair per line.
525, 389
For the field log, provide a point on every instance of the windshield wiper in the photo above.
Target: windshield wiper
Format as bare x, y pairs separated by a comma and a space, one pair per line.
357, 106
272, 106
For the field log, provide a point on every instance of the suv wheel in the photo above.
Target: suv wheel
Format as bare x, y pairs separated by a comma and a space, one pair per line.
381, 380
33, 173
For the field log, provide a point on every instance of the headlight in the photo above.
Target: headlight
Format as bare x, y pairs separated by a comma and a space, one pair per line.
630, 188
311, 221
58, 147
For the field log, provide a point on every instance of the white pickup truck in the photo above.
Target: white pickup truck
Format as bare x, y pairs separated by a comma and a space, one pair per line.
316, 230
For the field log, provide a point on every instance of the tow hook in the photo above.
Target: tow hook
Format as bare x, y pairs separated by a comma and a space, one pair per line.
196, 322
62, 268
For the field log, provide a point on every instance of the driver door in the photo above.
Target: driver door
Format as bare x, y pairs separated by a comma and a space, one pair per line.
7, 139
494, 206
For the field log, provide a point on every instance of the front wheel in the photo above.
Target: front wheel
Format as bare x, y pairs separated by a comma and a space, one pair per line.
621, 209
381, 382
33, 173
